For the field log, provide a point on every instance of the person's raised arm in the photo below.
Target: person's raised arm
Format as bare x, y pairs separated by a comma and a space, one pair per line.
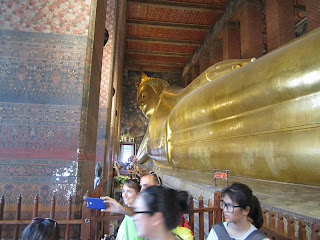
116, 207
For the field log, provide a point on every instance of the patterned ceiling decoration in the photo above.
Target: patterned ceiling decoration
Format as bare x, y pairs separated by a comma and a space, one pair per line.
169, 32
152, 13
161, 47
145, 57
162, 32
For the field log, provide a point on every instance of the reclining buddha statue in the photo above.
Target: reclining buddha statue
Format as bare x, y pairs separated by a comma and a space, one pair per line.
258, 118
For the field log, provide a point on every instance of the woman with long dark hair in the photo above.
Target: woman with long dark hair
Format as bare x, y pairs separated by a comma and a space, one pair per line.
243, 215
157, 213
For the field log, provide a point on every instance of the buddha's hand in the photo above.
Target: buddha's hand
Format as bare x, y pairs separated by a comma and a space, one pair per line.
112, 205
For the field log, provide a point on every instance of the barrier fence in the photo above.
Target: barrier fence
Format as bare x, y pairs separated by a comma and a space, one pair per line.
94, 223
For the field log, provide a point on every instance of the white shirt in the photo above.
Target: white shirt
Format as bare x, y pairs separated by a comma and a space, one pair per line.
213, 236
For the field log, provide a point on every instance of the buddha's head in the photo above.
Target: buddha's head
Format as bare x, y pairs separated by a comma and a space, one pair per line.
149, 93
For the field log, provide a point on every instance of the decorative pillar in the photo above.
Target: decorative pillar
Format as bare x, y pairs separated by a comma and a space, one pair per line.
231, 41
106, 96
313, 13
188, 79
216, 52
204, 62
251, 30
185, 80
114, 137
194, 72
280, 22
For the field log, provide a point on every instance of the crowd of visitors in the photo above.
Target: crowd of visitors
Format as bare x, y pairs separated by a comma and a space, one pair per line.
155, 212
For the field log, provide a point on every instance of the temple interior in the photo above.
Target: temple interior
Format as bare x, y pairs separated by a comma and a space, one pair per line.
184, 86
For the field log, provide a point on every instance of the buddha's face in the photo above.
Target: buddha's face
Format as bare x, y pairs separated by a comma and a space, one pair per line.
148, 100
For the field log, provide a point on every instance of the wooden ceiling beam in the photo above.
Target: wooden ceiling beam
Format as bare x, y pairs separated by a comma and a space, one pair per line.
169, 64
155, 53
182, 26
181, 5
148, 69
163, 40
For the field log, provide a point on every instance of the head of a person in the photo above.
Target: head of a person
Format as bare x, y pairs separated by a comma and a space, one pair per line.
130, 191
150, 179
239, 202
158, 208
149, 94
41, 229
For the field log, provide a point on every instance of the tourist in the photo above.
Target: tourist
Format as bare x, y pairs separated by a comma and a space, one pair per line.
157, 212
130, 191
243, 215
41, 229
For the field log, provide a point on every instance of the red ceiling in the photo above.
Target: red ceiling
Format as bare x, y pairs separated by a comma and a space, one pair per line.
161, 33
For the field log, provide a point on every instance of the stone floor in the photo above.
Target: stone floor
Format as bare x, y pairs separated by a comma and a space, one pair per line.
299, 200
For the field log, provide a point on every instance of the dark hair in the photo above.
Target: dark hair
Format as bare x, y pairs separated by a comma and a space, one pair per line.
242, 195
133, 183
168, 201
41, 229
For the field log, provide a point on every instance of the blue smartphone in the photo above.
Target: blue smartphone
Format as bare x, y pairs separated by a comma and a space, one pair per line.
96, 203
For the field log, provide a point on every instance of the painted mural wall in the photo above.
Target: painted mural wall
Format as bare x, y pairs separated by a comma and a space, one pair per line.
46, 53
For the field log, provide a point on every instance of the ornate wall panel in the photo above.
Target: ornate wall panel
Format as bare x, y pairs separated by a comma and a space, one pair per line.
44, 52
105, 83
42, 77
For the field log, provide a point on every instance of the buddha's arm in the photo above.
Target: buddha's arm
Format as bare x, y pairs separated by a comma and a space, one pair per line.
261, 120
142, 155
172, 95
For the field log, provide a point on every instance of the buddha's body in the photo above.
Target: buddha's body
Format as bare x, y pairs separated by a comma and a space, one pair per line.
261, 120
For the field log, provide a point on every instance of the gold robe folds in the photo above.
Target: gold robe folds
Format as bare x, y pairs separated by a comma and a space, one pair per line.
261, 120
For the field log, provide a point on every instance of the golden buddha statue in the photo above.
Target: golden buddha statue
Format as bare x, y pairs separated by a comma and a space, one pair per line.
259, 119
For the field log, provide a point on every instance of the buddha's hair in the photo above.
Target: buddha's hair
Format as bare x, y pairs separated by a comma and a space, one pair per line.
155, 83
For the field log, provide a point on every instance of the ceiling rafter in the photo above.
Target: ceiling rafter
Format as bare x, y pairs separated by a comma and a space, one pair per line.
181, 5
182, 26
150, 69
172, 64
155, 53
163, 40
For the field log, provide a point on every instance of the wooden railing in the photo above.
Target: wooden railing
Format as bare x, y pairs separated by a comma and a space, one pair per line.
17, 221
35, 213
283, 228
94, 223
214, 214
276, 228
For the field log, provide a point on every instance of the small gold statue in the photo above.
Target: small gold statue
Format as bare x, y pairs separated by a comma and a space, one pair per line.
259, 119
